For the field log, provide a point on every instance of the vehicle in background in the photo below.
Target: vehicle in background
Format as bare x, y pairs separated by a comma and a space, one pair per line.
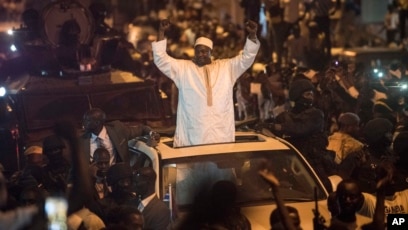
374, 57
36, 89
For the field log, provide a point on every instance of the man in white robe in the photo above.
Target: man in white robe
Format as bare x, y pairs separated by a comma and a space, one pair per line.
205, 112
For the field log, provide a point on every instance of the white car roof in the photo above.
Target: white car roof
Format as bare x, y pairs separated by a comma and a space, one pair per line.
257, 142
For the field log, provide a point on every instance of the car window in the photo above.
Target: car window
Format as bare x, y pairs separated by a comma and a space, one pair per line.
189, 176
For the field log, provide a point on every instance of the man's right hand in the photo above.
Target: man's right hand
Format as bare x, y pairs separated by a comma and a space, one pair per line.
164, 26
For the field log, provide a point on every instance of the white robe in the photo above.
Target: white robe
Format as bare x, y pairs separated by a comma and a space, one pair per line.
205, 112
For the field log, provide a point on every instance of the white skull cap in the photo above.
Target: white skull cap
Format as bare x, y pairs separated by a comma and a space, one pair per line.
204, 41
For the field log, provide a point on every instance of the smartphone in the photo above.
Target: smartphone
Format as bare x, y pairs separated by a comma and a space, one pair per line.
56, 212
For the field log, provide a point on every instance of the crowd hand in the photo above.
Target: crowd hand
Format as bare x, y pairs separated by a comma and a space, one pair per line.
164, 25
153, 139
269, 177
385, 172
155, 136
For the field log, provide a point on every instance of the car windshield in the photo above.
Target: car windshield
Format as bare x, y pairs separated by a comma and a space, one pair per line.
189, 176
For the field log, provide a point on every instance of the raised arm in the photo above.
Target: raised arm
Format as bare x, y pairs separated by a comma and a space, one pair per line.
163, 27
274, 182
252, 28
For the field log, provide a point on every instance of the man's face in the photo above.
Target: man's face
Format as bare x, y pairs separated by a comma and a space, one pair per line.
202, 55
103, 161
349, 199
92, 124
54, 155
123, 186
28, 197
140, 184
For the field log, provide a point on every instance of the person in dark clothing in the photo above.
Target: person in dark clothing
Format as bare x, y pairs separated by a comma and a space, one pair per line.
99, 170
224, 213
155, 212
56, 174
322, 10
125, 215
303, 126
113, 136
119, 178
400, 147
378, 137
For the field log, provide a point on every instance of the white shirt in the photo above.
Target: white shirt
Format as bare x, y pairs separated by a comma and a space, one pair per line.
145, 202
107, 143
396, 204
205, 112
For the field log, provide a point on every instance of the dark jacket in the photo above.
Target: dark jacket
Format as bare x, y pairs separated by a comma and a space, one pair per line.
156, 215
119, 134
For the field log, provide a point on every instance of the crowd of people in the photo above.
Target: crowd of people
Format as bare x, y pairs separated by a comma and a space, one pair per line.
345, 121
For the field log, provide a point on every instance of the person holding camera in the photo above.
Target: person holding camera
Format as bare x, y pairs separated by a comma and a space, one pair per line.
205, 112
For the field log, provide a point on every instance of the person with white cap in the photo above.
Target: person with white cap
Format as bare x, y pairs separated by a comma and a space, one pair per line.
205, 112
34, 156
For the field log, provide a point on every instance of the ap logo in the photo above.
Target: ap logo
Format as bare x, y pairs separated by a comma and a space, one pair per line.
397, 221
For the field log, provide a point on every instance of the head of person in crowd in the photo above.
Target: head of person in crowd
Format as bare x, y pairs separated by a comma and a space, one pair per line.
385, 108
94, 120
53, 147
3, 190
223, 195
378, 133
275, 219
70, 33
202, 51
101, 158
349, 123
31, 19
301, 91
31, 195
144, 182
99, 11
346, 200
400, 146
125, 215
34, 156
120, 179
223, 210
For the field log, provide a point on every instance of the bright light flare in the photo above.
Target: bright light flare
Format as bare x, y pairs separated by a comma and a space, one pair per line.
3, 91
13, 48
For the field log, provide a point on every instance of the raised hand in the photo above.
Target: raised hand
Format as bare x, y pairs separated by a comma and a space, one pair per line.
251, 27
270, 177
164, 25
